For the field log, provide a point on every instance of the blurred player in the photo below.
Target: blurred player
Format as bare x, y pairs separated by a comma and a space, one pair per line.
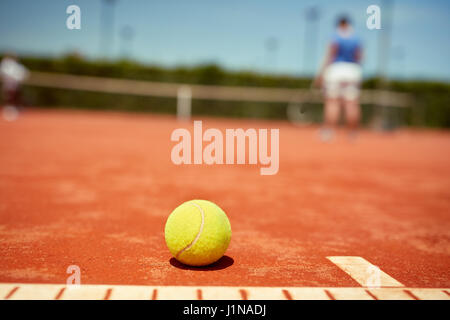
341, 75
12, 74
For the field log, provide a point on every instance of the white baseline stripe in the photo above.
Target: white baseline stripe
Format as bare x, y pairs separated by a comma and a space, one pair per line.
365, 273
112, 292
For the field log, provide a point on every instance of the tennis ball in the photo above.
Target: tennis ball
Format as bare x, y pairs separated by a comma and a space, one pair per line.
198, 233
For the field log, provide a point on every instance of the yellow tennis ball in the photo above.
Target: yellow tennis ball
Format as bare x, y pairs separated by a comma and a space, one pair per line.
198, 233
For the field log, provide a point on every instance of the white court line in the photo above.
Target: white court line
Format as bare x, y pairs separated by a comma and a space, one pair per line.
112, 292
5, 289
85, 292
308, 293
350, 294
37, 292
430, 294
365, 273
391, 294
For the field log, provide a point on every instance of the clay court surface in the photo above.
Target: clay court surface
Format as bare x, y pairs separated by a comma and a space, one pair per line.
94, 189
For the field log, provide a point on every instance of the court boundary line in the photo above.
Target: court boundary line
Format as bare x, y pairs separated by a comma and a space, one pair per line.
24, 291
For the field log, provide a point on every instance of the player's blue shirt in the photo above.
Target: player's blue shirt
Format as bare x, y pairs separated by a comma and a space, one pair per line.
347, 47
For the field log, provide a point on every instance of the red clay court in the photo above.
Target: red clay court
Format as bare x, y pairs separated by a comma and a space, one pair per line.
94, 189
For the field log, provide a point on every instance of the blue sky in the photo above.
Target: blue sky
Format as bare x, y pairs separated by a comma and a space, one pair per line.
232, 33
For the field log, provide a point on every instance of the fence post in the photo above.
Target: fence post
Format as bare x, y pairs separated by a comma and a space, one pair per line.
184, 97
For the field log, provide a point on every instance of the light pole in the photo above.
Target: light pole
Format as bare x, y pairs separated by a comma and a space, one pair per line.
107, 28
384, 41
271, 52
126, 36
312, 16
399, 55
384, 47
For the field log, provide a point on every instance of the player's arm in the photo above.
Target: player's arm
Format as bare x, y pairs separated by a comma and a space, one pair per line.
358, 55
329, 58
23, 73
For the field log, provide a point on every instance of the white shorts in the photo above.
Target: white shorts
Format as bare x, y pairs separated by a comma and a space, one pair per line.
342, 80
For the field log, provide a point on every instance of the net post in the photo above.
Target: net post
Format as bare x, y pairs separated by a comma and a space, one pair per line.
184, 98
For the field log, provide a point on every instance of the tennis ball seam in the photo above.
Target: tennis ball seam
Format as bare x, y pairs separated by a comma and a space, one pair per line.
198, 234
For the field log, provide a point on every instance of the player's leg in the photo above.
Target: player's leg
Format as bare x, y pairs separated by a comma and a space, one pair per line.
350, 94
331, 118
352, 113
332, 108
332, 102
10, 112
